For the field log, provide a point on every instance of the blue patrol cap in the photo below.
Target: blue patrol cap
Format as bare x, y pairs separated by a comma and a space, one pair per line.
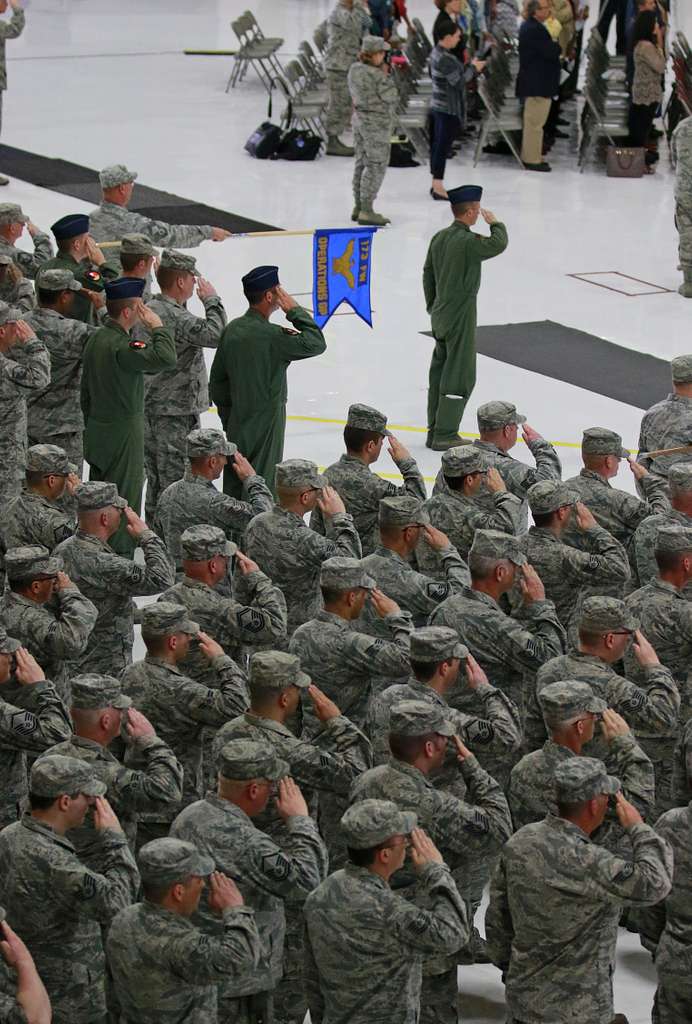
465, 194
261, 279
71, 226
125, 288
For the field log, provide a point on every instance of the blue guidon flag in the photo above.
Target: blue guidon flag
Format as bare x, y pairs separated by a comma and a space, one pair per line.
341, 272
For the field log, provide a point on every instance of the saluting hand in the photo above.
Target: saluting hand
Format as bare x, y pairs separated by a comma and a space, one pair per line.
28, 670
148, 317
324, 707
286, 301
242, 467
223, 892
209, 648
487, 215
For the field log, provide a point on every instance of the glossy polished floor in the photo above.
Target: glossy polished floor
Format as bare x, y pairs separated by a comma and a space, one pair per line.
101, 83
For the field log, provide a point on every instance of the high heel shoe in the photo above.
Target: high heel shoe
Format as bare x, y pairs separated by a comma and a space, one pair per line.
438, 197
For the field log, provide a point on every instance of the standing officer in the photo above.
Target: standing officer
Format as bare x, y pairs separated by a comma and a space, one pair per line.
451, 279
8, 30
78, 253
113, 393
248, 375
345, 27
682, 152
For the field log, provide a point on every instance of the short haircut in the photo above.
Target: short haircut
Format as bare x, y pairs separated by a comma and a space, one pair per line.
543, 518
455, 483
669, 561
115, 307
49, 298
356, 438
330, 595
34, 477
589, 638
158, 893
129, 260
156, 644
459, 209
571, 809
262, 696
362, 858
255, 297
592, 460
65, 244
167, 276
17, 586
424, 670
481, 566
408, 748
41, 803
531, 7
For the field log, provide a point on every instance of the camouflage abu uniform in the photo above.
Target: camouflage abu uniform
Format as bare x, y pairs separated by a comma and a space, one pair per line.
55, 412
112, 581
375, 98
59, 906
365, 944
644, 543
290, 553
32, 718
555, 902
682, 156
15, 289
195, 500
175, 399
360, 489
163, 966
668, 424
265, 873
28, 262
32, 519
345, 28
9, 30
24, 367
129, 790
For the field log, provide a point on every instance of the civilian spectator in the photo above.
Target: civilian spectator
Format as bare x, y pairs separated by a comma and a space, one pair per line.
647, 84
538, 80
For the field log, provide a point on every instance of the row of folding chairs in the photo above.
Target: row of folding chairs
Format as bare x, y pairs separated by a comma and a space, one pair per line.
496, 90
682, 69
255, 51
606, 99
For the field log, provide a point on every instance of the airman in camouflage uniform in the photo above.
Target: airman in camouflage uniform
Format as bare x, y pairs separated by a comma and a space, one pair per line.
606, 628
174, 400
110, 580
682, 767
32, 718
45, 610
15, 289
58, 903
112, 219
401, 521
135, 259
457, 510
221, 826
12, 223
194, 499
101, 712
365, 944
616, 511
346, 24
55, 412
571, 712
568, 572
509, 649
287, 550
35, 517
358, 487
668, 424
681, 143
464, 830
24, 367
556, 899
9, 30
644, 543
163, 966
177, 707
22, 993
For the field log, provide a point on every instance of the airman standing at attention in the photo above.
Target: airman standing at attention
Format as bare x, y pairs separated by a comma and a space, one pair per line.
13, 220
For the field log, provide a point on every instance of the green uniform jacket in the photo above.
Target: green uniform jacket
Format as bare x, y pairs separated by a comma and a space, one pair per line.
113, 404
248, 384
82, 307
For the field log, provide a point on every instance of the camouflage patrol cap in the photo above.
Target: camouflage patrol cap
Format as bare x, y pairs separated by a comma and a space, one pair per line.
494, 415
54, 279
601, 441
163, 862
200, 543
163, 618
606, 615
567, 699
48, 458
8, 644
370, 822
673, 539
11, 213
206, 441
277, 670
436, 643
583, 778
345, 574
402, 512
30, 563
374, 44
137, 245
244, 759
95, 494
681, 369
9, 315
497, 545
364, 417
55, 775
462, 460
116, 174
550, 495
173, 260
680, 476
5, 260
94, 691
299, 473
417, 717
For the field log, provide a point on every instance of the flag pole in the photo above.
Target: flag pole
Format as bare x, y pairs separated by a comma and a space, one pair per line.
235, 234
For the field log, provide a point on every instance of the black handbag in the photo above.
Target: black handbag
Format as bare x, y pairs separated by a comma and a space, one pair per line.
298, 145
264, 141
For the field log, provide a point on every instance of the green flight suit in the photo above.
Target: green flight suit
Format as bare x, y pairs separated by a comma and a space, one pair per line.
89, 276
248, 384
451, 279
113, 407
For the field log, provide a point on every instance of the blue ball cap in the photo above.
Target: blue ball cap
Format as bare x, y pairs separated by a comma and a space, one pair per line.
261, 279
71, 226
465, 194
125, 288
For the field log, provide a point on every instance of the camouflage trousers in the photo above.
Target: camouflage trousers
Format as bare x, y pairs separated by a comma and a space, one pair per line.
673, 1001
661, 751
164, 454
439, 998
372, 158
330, 809
683, 222
339, 107
255, 1009
290, 1001
12, 456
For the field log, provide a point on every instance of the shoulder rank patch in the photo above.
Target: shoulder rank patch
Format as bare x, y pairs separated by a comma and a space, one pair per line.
24, 723
275, 865
479, 826
137, 573
635, 701
481, 732
250, 620
437, 591
418, 924
594, 563
626, 872
88, 887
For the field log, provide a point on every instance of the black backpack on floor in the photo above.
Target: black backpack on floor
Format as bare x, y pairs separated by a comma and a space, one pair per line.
264, 141
298, 145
